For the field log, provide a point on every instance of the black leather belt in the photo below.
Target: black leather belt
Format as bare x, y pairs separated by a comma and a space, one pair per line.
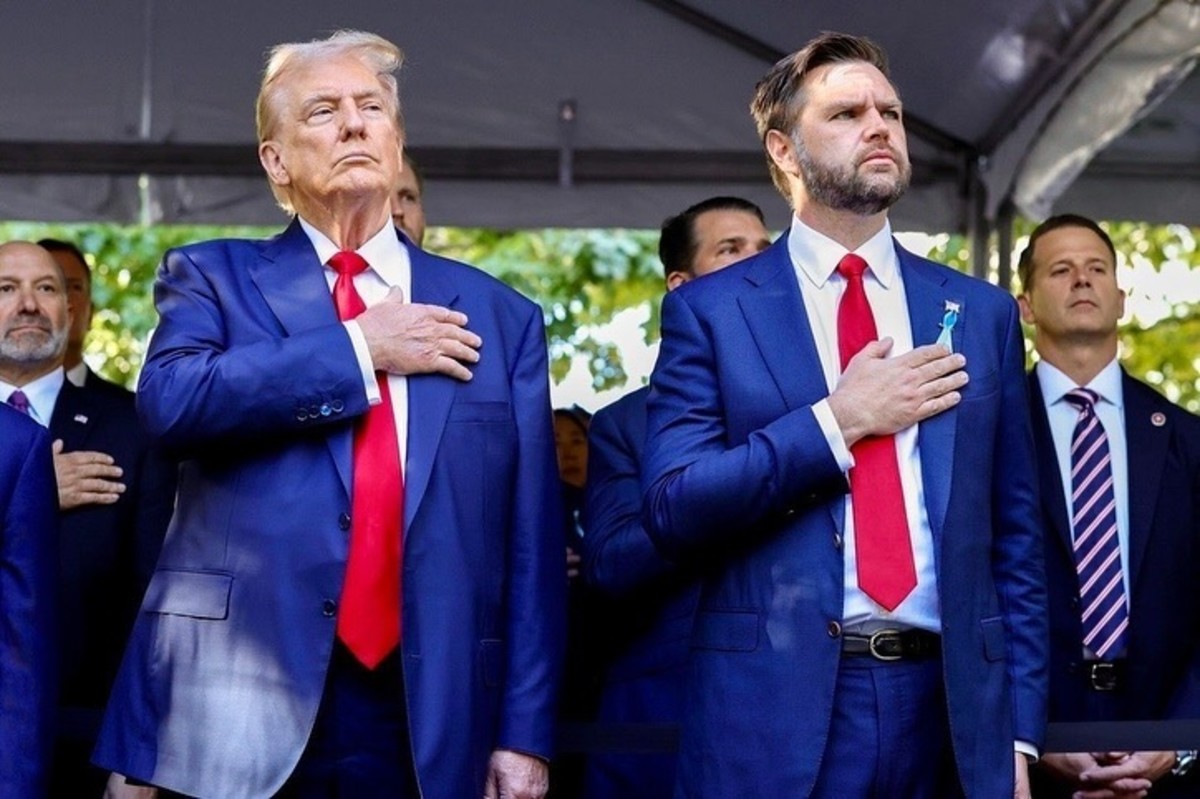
891, 645
1104, 675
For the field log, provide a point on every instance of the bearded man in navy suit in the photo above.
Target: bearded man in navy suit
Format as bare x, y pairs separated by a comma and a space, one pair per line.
361, 592
838, 441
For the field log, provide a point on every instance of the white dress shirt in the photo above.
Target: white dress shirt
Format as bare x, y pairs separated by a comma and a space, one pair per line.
389, 266
1063, 416
815, 258
42, 394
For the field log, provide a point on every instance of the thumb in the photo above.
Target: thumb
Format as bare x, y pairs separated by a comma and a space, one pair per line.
57, 447
395, 294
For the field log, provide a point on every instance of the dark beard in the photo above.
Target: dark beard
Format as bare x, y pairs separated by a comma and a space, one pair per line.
846, 190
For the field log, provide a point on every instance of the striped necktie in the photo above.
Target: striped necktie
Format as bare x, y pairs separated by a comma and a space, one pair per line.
1094, 527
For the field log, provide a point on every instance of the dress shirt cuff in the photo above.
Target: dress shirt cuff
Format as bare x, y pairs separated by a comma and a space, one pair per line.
363, 355
833, 435
1029, 750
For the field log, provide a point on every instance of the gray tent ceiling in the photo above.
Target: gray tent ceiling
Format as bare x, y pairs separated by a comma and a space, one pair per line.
604, 112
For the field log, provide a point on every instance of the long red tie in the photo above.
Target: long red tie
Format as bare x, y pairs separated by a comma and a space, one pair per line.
369, 619
882, 544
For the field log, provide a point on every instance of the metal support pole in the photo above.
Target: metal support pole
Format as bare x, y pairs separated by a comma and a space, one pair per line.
1004, 243
566, 143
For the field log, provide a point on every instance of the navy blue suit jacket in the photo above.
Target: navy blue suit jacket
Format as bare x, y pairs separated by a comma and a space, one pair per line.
647, 603
738, 473
1163, 658
28, 552
251, 377
106, 552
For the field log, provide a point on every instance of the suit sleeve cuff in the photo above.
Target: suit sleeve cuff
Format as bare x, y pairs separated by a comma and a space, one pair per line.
363, 355
1029, 750
833, 435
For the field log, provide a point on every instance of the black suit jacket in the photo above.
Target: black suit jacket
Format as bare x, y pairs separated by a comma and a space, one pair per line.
107, 552
1163, 658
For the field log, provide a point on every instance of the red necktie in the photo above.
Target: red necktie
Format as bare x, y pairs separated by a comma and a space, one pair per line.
369, 620
883, 548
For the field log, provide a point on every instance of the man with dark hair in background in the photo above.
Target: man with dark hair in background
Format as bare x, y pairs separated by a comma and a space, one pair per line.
838, 441
1120, 474
644, 604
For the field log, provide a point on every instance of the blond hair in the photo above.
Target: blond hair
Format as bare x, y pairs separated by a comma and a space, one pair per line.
375, 52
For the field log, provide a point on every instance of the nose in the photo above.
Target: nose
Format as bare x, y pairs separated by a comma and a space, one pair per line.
353, 123
876, 125
29, 302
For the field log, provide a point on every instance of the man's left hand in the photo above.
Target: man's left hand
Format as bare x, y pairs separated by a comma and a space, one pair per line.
512, 775
1021, 782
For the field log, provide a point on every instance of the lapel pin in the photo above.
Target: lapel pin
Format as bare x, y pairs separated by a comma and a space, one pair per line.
1158, 419
949, 320
79, 417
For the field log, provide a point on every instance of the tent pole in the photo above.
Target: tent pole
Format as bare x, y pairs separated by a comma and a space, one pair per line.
1004, 243
980, 229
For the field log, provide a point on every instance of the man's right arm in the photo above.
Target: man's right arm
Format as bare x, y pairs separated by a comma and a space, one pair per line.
210, 376
618, 555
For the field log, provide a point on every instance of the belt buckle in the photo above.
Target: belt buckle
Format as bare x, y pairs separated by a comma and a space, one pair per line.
1103, 676
888, 640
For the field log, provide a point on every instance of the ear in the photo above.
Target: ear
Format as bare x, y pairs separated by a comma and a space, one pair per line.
1121, 304
271, 157
677, 279
1026, 309
782, 152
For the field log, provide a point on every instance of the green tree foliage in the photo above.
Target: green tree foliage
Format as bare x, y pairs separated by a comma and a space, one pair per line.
1161, 348
583, 278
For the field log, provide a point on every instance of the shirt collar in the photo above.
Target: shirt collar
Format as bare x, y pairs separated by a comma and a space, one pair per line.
816, 256
1055, 384
383, 252
42, 394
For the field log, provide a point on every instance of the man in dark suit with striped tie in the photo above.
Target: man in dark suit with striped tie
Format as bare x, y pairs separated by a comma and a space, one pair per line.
1120, 475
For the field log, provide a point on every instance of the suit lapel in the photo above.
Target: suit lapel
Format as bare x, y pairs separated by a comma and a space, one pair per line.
926, 295
292, 282
429, 396
1050, 476
774, 312
1145, 456
72, 420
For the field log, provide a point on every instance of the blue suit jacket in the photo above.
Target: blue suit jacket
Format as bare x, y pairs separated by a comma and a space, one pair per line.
738, 474
28, 564
1163, 658
647, 604
251, 375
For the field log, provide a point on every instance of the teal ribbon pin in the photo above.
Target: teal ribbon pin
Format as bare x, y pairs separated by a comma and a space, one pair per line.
949, 320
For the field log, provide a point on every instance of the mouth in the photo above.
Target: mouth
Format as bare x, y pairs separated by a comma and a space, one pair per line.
356, 158
878, 157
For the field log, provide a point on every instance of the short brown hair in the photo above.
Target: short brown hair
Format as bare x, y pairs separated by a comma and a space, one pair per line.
1025, 262
779, 96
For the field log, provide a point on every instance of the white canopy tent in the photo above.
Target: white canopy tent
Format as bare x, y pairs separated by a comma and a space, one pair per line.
605, 112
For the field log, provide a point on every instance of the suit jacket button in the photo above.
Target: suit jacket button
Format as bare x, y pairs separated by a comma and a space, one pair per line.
313, 411
328, 608
337, 405
325, 409
301, 415
343, 521
837, 541
834, 629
